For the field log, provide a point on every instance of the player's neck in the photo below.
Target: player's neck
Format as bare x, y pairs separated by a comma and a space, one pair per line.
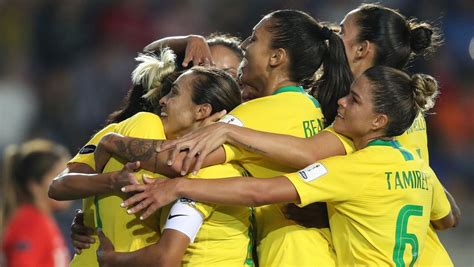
276, 82
363, 141
42, 205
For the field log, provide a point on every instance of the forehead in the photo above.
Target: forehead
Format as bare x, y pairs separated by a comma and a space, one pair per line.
184, 80
349, 19
263, 24
221, 55
362, 87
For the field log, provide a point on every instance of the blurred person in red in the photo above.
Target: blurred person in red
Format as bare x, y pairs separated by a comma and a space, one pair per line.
31, 236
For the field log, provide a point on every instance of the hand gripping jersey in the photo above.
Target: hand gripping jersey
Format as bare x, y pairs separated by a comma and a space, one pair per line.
127, 232
281, 242
380, 204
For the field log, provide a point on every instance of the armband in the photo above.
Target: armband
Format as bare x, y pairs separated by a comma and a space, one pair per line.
183, 217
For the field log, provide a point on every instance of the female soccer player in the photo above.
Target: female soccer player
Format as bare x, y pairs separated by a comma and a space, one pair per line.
224, 53
285, 50
383, 199
392, 41
195, 96
32, 237
372, 35
224, 236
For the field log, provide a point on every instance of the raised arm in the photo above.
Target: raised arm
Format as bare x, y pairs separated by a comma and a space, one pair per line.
288, 150
194, 47
243, 191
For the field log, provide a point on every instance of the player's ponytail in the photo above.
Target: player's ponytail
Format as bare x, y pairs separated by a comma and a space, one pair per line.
400, 96
336, 77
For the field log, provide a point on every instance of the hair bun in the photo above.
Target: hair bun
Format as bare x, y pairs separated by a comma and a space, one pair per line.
425, 91
421, 38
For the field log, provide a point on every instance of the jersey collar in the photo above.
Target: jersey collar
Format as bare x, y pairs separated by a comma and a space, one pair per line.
290, 88
380, 142
392, 143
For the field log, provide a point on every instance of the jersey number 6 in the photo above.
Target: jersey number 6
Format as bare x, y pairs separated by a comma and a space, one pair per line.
402, 238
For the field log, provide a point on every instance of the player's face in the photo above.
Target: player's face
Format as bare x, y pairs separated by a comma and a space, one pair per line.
349, 32
225, 59
355, 114
257, 52
178, 111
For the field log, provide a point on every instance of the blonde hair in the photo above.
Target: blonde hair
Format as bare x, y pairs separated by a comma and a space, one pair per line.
152, 71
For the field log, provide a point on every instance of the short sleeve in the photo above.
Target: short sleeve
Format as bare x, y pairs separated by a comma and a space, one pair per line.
440, 207
324, 181
86, 153
233, 153
346, 142
142, 125
238, 117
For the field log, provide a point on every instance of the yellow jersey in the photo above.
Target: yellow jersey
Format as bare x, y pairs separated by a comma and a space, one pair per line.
415, 139
379, 204
85, 155
281, 242
127, 232
225, 237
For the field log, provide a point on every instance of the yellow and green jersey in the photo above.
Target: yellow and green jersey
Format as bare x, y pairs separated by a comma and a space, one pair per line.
281, 242
85, 155
380, 203
127, 232
225, 237
415, 139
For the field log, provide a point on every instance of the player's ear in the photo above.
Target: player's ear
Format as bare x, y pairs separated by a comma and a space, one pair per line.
203, 111
278, 57
380, 122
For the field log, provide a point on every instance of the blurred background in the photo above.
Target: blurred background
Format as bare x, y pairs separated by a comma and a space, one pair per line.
65, 65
